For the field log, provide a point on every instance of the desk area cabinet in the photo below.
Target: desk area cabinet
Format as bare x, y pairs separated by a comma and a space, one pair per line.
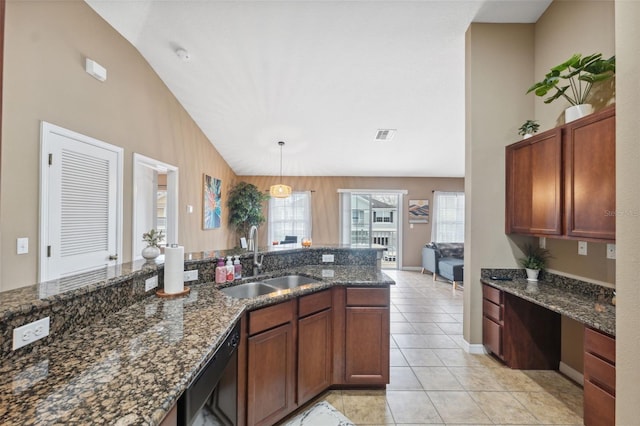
599, 378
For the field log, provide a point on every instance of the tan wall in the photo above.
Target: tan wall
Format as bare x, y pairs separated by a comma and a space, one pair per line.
46, 44
326, 212
628, 203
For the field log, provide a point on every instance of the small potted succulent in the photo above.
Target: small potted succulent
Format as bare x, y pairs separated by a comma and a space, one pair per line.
534, 260
153, 238
528, 129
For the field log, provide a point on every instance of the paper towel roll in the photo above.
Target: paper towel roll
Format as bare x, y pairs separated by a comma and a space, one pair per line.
173, 269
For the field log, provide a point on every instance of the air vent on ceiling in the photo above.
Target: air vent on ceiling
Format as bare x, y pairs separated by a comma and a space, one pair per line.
385, 135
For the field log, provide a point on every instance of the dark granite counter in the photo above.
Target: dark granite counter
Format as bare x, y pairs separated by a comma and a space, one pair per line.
576, 300
130, 367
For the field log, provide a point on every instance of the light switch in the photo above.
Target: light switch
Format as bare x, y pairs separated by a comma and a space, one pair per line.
23, 245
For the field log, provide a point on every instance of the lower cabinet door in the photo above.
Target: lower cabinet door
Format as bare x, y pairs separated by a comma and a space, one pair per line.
492, 336
599, 406
367, 345
271, 375
314, 355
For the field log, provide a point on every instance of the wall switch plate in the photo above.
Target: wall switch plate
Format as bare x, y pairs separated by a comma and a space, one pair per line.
327, 258
22, 245
611, 251
582, 248
151, 283
30, 332
190, 275
542, 242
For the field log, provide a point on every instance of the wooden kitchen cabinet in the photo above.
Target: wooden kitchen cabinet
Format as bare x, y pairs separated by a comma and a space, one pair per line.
562, 182
599, 378
492, 320
367, 336
271, 364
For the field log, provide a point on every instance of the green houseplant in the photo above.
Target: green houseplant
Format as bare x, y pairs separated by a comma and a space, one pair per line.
245, 207
534, 260
153, 238
578, 74
529, 128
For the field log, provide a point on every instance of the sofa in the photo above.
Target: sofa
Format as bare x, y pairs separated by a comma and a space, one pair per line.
445, 260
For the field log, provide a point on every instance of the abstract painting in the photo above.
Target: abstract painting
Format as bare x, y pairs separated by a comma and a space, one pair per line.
212, 204
418, 211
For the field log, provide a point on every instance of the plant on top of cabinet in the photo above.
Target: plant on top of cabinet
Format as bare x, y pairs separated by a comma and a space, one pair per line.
581, 74
245, 207
529, 128
534, 260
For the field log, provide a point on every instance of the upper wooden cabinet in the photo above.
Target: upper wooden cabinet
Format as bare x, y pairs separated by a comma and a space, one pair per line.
562, 182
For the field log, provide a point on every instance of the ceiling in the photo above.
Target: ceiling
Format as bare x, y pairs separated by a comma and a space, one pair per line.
323, 76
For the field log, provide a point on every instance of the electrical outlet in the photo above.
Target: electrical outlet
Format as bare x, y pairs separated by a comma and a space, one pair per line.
611, 251
542, 242
582, 248
328, 273
327, 258
151, 283
30, 332
190, 275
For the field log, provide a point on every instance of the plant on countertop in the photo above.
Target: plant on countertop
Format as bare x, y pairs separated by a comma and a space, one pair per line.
245, 207
581, 74
153, 237
529, 128
534, 257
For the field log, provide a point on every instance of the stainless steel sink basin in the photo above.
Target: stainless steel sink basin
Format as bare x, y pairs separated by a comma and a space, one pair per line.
289, 281
249, 290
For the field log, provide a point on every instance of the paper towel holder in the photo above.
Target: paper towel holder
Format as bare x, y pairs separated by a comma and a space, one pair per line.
161, 293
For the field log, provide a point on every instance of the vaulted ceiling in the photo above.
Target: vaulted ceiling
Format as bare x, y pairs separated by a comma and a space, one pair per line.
323, 76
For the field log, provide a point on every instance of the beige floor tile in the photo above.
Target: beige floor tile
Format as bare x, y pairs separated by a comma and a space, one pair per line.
457, 317
477, 378
436, 378
408, 300
458, 407
502, 407
402, 378
421, 357
397, 317
427, 328
429, 317
333, 397
402, 328
516, 380
458, 358
547, 408
412, 407
451, 327
397, 359
366, 409
427, 309
553, 382
424, 341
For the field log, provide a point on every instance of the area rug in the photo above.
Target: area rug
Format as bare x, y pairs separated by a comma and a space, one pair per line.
321, 414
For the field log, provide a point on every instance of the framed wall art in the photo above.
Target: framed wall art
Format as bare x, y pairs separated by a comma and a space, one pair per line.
418, 211
212, 204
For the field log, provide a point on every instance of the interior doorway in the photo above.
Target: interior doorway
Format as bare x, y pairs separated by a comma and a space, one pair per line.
155, 201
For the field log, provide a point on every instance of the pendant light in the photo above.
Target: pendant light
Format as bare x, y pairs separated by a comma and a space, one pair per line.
280, 190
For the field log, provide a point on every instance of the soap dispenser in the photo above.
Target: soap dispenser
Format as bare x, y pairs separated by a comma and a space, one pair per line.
237, 268
221, 272
230, 270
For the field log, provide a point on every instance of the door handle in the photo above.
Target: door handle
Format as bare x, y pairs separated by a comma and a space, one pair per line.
113, 257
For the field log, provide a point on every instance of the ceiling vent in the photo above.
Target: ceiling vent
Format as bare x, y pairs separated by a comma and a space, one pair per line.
385, 135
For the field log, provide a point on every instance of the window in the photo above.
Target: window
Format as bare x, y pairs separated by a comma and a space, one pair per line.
448, 217
290, 216
383, 216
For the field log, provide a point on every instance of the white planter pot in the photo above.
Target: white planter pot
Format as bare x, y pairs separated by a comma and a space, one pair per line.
532, 274
150, 252
577, 111
527, 136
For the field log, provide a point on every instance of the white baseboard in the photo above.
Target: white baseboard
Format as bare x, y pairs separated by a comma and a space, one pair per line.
411, 268
474, 349
571, 373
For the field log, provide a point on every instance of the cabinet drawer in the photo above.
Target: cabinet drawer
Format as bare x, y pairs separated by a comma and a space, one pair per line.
600, 372
600, 345
360, 296
492, 294
599, 406
272, 316
492, 336
491, 310
313, 303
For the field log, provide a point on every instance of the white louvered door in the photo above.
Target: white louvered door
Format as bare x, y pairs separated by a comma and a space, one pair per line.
81, 199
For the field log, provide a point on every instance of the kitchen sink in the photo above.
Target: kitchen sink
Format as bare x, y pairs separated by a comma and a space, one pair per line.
289, 281
249, 290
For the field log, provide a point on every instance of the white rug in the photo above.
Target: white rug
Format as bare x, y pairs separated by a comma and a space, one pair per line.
321, 414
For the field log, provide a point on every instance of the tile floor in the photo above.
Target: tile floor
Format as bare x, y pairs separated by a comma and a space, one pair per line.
434, 381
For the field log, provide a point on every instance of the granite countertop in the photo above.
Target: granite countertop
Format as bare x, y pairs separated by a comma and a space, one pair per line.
580, 306
131, 367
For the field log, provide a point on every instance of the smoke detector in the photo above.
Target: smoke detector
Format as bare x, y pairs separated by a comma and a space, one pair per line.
183, 54
385, 135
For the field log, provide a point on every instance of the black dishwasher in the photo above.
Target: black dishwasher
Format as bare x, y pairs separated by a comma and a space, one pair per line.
213, 392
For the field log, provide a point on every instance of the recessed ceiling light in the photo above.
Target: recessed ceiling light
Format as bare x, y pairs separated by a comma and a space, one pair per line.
385, 135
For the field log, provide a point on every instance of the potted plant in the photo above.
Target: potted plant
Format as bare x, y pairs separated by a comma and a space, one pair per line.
579, 74
245, 207
153, 238
528, 129
534, 260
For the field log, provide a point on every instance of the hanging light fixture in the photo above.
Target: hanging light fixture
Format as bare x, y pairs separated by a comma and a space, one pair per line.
280, 190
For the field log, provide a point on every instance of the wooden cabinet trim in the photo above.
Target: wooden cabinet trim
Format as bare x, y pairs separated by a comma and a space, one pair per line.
367, 360
599, 406
272, 316
492, 311
492, 294
492, 336
600, 345
313, 303
314, 355
600, 373
363, 296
